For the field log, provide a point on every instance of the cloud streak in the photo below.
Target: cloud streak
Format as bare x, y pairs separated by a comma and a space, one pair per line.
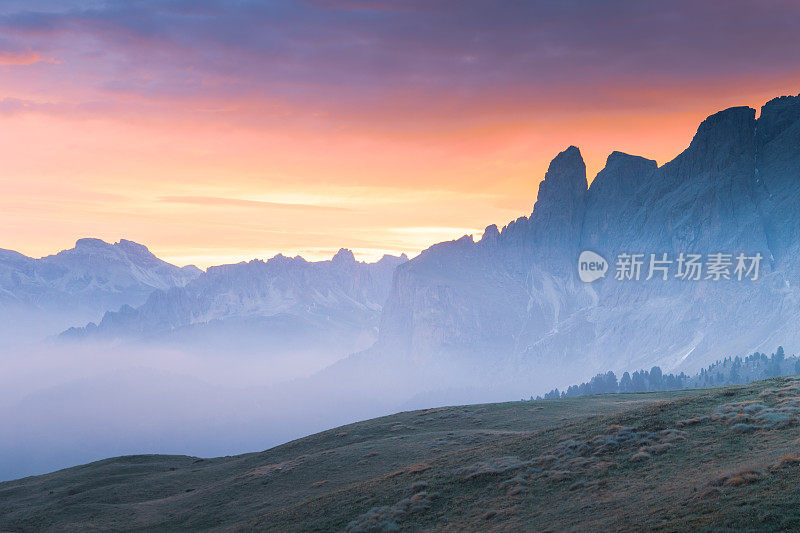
212, 201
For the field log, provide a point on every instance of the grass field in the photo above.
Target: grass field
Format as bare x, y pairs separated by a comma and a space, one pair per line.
712, 459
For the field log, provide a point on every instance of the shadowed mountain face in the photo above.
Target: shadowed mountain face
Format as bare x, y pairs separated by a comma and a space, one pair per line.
77, 285
513, 301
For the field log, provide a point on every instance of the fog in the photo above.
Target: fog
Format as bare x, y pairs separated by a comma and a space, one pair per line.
67, 404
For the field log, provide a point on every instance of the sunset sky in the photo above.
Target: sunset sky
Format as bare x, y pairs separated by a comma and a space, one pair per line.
217, 131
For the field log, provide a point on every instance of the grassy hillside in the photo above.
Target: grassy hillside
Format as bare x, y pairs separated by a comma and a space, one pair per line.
691, 459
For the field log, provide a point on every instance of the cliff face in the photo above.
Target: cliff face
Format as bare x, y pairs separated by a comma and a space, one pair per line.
777, 179
557, 215
516, 292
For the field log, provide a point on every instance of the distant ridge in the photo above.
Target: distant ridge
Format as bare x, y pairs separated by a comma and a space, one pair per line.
80, 283
282, 305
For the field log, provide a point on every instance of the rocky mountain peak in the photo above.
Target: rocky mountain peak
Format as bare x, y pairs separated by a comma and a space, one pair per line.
133, 248
777, 115
608, 195
565, 177
724, 136
91, 244
622, 174
558, 212
490, 235
344, 256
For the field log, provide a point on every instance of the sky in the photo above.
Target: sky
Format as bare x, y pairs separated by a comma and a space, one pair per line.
215, 131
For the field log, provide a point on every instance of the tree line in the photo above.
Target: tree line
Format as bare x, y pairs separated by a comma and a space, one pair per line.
728, 371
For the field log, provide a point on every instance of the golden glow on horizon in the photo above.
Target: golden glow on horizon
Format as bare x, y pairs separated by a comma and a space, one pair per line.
210, 190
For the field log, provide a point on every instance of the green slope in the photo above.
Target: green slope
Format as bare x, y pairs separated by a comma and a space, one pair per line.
691, 459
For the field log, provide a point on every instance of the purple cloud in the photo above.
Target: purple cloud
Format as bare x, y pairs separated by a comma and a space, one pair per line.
357, 53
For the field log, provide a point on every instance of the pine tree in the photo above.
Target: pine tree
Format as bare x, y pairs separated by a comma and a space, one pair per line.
736, 370
656, 378
625, 383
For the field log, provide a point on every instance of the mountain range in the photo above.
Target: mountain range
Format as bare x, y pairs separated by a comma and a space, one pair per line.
285, 305
260, 352
510, 312
506, 309
44, 296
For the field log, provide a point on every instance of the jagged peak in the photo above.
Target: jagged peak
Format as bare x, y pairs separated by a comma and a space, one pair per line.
490, 234
563, 185
344, 256
514, 226
566, 173
721, 139
729, 127
131, 245
616, 157
568, 159
782, 101
281, 259
135, 250
192, 269
460, 243
91, 242
777, 115
622, 173
389, 258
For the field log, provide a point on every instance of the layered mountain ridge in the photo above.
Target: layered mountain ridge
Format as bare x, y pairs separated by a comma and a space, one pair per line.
510, 307
262, 307
280, 285
81, 283
105, 272
514, 296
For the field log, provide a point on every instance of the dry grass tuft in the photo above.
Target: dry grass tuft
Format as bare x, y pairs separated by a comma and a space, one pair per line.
786, 461
276, 468
416, 468
389, 518
656, 449
783, 411
691, 421
640, 457
492, 467
560, 475
747, 476
710, 493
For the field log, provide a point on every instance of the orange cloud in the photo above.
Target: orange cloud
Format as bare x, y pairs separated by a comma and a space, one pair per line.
21, 59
